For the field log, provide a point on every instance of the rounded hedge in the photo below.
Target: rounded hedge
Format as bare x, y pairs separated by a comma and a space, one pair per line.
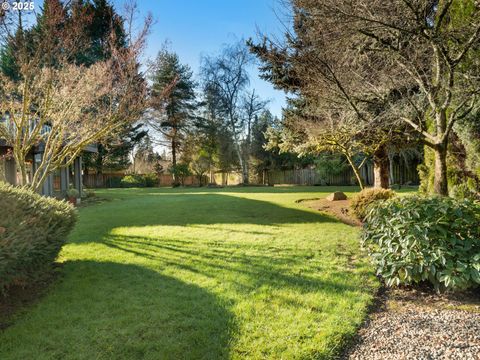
33, 229
434, 239
362, 201
137, 180
129, 181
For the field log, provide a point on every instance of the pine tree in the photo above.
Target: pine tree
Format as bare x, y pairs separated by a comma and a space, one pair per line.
177, 110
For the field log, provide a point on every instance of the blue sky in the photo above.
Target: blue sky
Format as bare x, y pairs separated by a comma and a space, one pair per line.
198, 27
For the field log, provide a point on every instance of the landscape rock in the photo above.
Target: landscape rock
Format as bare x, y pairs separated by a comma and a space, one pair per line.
337, 195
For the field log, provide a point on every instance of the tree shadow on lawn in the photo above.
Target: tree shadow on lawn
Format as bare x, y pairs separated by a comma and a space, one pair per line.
108, 310
321, 191
265, 264
246, 271
185, 210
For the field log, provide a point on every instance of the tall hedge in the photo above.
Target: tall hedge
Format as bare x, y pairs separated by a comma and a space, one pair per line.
33, 229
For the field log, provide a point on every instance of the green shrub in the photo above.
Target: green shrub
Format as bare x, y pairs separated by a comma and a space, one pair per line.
465, 190
87, 193
33, 229
361, 202
114, 182
328, 165
151, 180
148, 180
72, 193
130, 181
435, 239
180, 171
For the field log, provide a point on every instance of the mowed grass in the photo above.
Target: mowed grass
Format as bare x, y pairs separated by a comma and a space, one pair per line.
237, 273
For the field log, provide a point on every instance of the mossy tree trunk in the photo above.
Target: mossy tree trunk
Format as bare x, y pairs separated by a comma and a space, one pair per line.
440, 184
381, 168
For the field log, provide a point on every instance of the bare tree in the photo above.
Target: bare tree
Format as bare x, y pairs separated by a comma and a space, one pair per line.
61, 106
226, 76
251, 107
315, 135
414, 61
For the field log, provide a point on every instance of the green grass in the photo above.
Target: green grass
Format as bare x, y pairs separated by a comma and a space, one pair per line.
241, 273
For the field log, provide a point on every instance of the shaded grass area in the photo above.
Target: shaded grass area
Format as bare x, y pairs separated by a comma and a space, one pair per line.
200, 274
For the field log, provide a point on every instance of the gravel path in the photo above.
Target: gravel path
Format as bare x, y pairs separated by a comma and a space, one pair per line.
417, 326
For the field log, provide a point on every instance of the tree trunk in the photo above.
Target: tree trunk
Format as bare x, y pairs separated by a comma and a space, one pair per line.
356, 170
440, 185
245, 177
243, 164
381, 168
393, 180
174, 159
23, 173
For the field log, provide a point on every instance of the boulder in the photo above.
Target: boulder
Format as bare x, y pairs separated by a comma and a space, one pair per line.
337, 195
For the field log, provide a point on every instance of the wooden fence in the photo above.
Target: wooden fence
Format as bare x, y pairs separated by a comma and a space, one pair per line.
400, 173
167, 180
225, 179
113, 180
102, 180
309, 177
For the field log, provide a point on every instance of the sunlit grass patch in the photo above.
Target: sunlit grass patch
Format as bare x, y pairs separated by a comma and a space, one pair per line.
199, 273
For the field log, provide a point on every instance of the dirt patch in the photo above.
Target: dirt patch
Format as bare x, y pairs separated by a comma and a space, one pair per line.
19, 297
339, 209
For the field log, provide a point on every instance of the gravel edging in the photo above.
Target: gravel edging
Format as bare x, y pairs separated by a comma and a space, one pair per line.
413, 324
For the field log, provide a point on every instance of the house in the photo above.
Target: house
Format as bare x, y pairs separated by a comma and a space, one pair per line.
56, 184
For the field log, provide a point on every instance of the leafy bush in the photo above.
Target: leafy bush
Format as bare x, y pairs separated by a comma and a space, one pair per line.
130, 181
87, 193
72, 193
32, 231
148, 180
465, 190
114, 182
361, 202
180, 171
328, 165
151, 180
435, 239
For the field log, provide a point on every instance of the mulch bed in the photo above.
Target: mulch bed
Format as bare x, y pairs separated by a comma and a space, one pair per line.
339, 209
412, 322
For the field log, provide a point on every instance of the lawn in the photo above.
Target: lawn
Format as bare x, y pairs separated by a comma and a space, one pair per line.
240, 273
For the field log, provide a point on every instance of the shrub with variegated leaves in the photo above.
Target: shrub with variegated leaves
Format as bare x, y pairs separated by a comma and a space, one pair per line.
434, 239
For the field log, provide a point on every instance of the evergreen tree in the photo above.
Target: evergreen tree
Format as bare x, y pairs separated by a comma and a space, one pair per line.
262, 158
104, 22
175, 113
